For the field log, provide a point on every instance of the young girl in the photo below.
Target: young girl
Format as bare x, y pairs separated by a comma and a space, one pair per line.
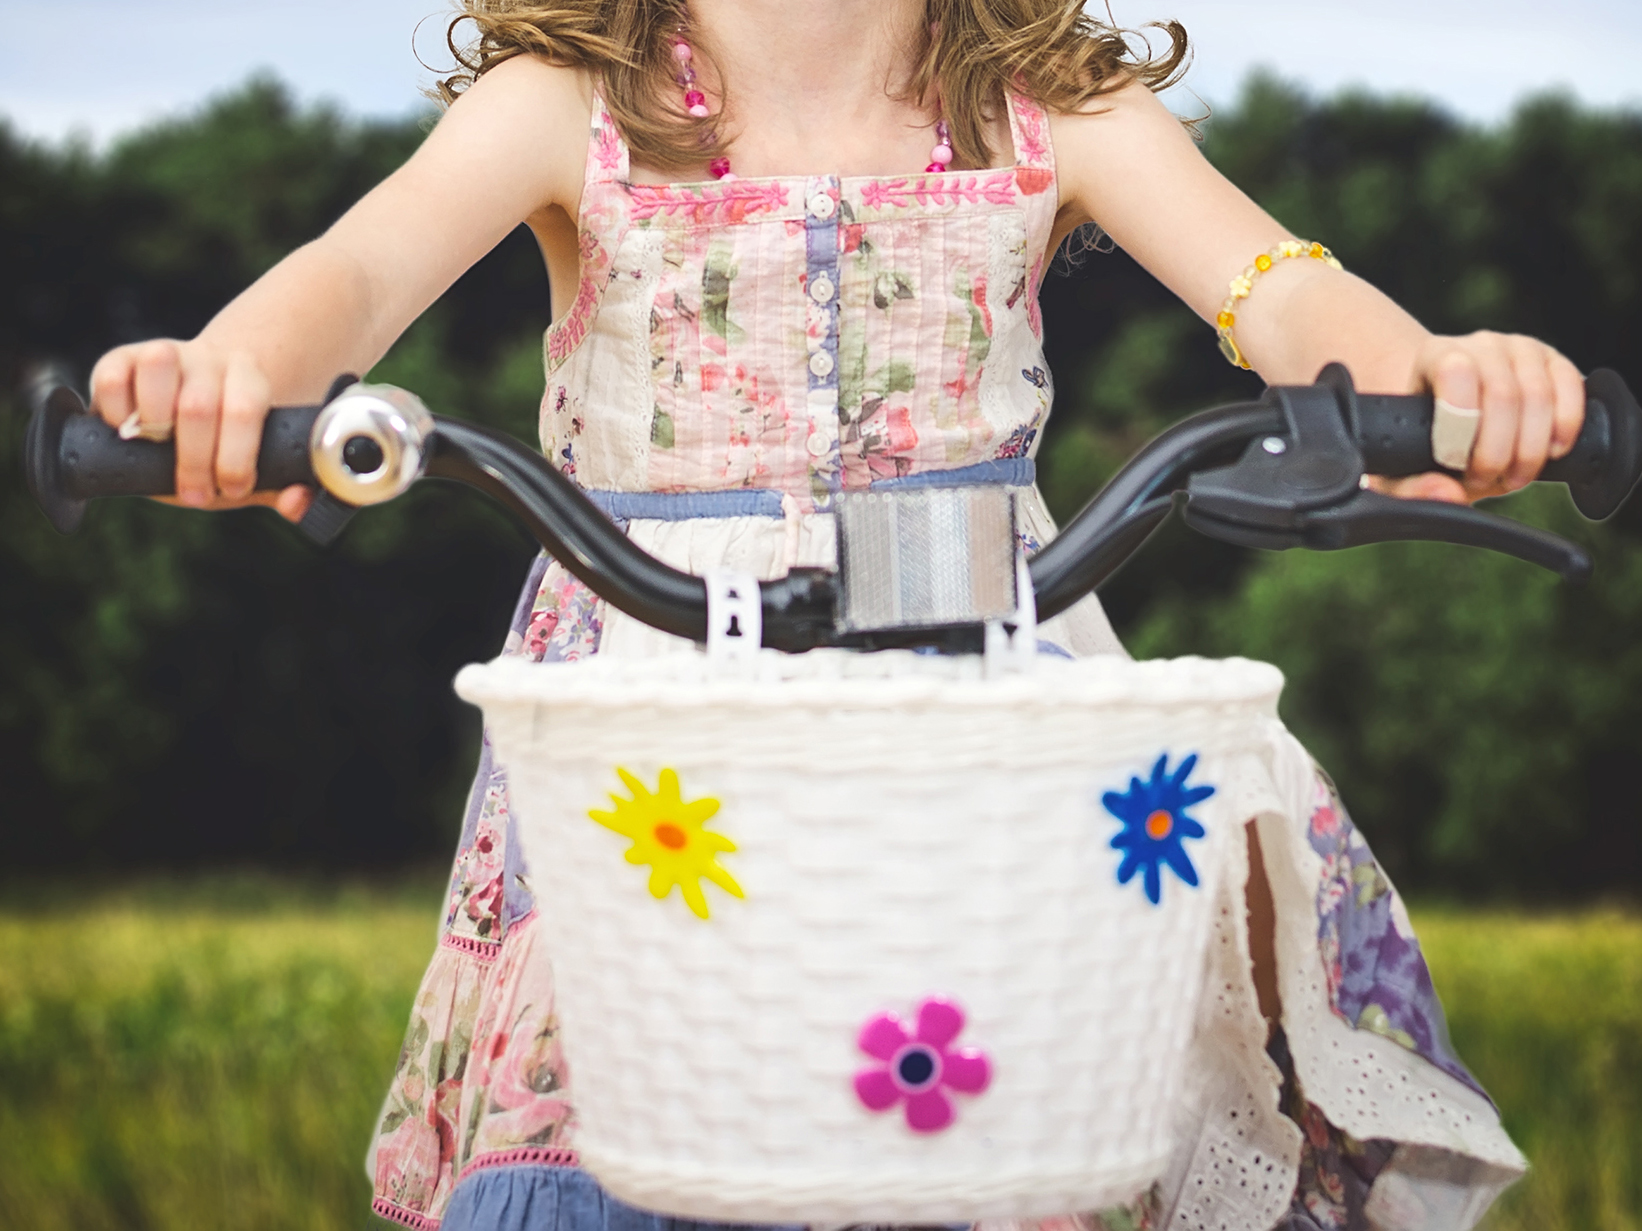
794, 248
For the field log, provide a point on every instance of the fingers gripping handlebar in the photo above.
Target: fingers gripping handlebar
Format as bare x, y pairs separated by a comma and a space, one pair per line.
1280, 472
1600, 470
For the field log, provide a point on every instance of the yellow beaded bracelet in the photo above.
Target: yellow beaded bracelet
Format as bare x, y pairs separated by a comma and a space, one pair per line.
1243, 284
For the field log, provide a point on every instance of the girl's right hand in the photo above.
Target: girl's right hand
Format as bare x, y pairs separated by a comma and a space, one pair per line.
211, 402
512, 148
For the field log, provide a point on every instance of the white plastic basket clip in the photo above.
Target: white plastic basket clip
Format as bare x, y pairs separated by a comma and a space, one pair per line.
735, 616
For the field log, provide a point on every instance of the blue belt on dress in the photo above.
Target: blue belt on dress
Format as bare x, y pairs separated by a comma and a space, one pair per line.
766, 501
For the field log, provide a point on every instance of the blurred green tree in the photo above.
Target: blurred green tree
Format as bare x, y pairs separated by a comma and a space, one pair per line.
177, 689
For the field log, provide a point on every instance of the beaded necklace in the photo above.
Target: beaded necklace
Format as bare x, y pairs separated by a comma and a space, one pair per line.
695, 103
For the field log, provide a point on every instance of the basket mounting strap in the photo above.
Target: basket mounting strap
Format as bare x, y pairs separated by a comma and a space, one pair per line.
735, 615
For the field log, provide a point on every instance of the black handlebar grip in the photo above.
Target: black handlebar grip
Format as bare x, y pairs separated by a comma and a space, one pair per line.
72, 457
1394, 433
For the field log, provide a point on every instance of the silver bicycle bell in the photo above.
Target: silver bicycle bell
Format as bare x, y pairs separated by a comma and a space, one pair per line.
370, 443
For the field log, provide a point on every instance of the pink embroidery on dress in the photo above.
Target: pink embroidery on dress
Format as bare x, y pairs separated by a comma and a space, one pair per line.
523, 1156
1031, 139
1034, 310
706, 204
561, 342
607, 148
567, 335
485, 951
992, 188
383, 1208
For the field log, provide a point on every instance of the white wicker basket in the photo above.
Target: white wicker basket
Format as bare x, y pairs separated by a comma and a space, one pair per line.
905, 831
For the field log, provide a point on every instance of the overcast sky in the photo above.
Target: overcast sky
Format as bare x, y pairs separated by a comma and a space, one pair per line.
104, 66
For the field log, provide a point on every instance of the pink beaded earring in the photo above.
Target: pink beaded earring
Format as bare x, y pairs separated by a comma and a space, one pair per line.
695, 102
941, 156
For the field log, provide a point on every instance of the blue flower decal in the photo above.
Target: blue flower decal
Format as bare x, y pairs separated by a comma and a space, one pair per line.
1155, 822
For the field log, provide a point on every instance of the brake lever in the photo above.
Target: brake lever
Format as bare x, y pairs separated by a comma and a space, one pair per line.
1304, 489
1369, 517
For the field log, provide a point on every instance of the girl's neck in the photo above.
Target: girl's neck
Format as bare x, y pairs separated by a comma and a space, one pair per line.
825, 76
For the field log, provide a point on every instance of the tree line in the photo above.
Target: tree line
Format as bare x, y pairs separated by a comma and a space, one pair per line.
180, 690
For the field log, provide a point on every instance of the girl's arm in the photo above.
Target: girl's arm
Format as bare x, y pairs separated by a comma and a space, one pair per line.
509, 149
1130, 165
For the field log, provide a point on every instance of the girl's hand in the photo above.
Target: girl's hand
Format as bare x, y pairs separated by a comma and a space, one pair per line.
1532, 401
512, 148
211, 403
1130, 164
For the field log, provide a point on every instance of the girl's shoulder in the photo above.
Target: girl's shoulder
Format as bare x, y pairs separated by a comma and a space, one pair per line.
555, 97
1130, 112
1120, 149
526, 114
561, 85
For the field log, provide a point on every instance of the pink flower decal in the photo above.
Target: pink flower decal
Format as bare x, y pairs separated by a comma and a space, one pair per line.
919, 1065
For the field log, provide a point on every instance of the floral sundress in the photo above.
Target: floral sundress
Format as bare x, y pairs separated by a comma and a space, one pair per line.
737, 354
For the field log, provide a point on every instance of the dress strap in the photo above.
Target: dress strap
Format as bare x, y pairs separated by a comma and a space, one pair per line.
607, 155
1035, 180
1029, 129
601, 219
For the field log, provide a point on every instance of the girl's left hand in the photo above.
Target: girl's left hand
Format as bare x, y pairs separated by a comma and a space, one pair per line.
1533, 404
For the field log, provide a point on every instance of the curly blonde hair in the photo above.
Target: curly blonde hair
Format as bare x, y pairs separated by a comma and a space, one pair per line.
974, 49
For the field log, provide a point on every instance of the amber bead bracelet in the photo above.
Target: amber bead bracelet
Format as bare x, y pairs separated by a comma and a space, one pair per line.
1243, 284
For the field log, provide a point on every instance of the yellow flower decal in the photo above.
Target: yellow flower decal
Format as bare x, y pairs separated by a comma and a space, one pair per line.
667, 834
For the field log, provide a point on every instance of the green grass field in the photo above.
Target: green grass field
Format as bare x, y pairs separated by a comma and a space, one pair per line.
1547, 1011
201, 1056
212, 1055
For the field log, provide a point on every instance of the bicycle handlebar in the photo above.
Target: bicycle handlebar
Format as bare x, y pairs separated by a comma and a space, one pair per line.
1279, 472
